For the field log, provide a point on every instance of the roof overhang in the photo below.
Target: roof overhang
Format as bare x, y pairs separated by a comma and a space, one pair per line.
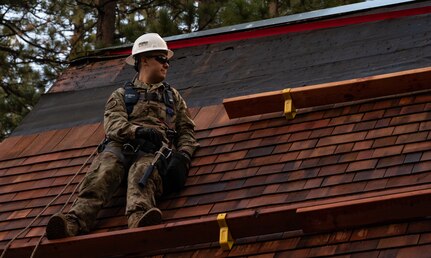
325, 18
338, 215
291, 19
330, 93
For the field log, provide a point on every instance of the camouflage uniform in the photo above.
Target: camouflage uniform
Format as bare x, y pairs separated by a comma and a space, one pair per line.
109, 168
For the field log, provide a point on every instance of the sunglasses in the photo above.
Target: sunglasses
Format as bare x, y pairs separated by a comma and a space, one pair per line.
160, 59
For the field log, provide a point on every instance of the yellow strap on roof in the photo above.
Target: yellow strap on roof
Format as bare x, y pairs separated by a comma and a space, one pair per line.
226, 241
289, 107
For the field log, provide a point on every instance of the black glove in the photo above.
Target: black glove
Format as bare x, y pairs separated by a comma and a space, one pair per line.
162, 165
149, 138
177, 172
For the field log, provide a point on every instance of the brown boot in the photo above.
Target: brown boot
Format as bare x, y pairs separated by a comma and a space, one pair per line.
61, 226
151, 217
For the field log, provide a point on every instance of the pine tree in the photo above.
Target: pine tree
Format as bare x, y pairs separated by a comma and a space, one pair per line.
38, 38
32, 54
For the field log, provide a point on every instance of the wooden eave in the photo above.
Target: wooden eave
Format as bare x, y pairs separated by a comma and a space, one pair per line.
331, 93
310, 217
340, 215
351, 167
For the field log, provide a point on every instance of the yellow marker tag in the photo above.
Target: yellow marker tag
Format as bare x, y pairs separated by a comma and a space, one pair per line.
289, 107
226, 241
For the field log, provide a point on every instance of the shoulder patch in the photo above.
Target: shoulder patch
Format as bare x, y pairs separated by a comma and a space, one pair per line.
111, 104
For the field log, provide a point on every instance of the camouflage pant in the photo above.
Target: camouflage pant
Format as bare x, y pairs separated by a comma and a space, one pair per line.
105, 176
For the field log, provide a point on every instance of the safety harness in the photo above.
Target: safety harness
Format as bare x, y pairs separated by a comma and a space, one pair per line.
132, 96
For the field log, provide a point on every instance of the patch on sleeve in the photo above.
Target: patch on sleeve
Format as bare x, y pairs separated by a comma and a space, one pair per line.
111, 104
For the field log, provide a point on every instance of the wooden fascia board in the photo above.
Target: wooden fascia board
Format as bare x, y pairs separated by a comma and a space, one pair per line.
331, 93
159, 237
122, 242
368, 211
243, 224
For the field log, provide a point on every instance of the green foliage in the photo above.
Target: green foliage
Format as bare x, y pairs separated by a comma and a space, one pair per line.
31, 57
163, 24
39, 37
311, 5
240, 11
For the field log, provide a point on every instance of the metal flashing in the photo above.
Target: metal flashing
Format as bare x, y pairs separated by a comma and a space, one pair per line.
289, 19
284, 20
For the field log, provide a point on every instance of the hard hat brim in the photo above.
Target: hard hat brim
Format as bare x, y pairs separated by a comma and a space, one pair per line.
130, 60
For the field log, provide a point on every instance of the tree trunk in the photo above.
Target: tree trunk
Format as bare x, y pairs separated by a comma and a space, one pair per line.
105, 22
273, 8
78, 29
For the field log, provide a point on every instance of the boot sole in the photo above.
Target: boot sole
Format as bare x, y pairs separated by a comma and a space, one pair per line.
151, 217
56, 228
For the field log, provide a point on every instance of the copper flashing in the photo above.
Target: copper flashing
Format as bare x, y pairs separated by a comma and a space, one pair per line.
331, 93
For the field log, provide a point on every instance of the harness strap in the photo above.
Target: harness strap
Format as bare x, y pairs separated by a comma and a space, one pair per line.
168, 96
150, 96
118, 152
128, 152
132, 96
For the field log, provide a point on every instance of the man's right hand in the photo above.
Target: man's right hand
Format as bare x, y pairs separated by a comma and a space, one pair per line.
151, 135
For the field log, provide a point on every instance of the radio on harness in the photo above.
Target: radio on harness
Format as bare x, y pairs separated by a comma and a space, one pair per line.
131, 97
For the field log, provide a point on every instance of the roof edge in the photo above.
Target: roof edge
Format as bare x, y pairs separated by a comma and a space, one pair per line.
190, 39
291, 19
317, 218
334, 92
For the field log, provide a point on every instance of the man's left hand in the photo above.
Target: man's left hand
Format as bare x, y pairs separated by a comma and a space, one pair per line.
177, 172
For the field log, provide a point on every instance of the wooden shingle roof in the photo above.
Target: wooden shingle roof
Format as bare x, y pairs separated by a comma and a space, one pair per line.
348, 179
355, 152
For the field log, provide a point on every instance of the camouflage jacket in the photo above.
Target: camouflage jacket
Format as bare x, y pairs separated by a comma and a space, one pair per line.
121, 127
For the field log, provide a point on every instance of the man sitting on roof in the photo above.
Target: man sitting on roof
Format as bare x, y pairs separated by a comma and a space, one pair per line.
140, 120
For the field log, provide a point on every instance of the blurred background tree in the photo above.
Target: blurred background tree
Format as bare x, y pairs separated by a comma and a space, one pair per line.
38, 38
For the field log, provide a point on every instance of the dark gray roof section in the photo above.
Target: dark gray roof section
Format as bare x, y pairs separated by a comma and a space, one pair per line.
290, 19
65, 110
207, 74
295, 18
210, 73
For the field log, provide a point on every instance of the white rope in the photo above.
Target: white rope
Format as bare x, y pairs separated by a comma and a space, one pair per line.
47, 206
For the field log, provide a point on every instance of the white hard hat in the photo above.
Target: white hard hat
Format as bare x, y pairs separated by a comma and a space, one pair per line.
148, 42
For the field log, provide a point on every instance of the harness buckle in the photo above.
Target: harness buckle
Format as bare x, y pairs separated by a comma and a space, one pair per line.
129, 149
